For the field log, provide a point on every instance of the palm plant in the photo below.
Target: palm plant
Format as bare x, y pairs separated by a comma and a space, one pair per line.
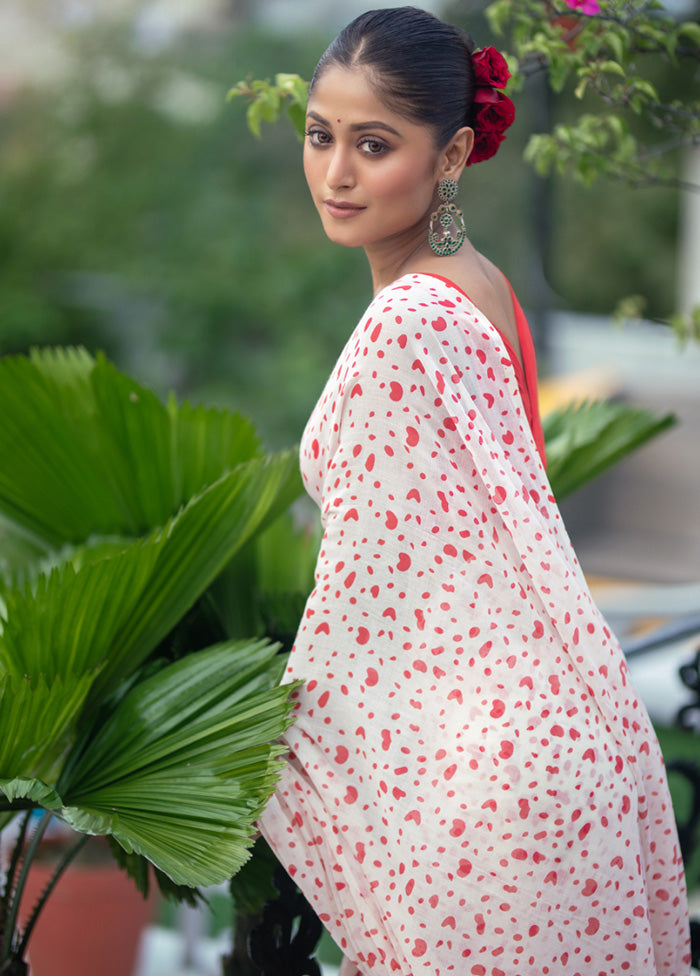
133, 701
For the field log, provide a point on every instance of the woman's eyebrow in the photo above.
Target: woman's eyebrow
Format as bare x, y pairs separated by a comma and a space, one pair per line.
357, 126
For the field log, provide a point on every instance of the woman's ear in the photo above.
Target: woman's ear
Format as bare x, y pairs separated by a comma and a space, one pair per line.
456, 153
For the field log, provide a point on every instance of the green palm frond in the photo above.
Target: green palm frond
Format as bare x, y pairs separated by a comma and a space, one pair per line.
583, 440
191, 744
38, 721
87, 450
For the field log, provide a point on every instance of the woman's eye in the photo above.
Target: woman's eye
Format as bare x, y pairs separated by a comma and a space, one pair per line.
373, 147
318, 137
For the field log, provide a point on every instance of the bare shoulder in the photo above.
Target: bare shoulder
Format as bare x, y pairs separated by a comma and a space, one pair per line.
485, 285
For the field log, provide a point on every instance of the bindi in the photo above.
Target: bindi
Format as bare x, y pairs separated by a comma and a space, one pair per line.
339, 121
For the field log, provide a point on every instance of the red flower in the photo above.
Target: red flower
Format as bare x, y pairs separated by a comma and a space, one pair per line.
494, 113
490, 68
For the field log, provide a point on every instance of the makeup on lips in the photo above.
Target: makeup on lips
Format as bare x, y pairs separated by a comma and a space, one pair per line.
341, 209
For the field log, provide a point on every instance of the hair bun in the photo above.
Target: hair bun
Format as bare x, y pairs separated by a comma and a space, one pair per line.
466, 39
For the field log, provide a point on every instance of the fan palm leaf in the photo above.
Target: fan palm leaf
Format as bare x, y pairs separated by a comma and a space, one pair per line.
585, 439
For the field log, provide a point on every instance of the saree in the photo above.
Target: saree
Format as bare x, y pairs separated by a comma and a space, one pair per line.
472, 784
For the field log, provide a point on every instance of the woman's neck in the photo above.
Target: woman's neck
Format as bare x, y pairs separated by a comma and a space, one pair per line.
388, 260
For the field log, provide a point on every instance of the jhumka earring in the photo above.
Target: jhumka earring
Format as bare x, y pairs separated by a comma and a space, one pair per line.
446, 232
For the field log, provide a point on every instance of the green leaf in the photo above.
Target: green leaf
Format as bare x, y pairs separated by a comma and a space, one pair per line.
691, 30
37, 721
89, 451
201, 730
498, 14
584, 440
253, 886
34, 790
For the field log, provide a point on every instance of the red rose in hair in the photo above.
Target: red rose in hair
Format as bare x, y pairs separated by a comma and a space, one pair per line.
490, 68
493, 114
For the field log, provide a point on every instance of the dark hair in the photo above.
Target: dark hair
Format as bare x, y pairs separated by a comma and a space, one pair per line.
419, 66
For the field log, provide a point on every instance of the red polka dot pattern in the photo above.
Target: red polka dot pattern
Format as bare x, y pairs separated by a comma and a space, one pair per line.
473, 786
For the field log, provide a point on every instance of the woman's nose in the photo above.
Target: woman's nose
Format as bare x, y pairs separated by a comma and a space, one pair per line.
340, 172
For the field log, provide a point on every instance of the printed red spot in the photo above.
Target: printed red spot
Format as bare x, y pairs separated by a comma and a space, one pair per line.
413, 815
489, 805
458, 827
413, 494
486, 578
386, 739
439, 324
341, 754
395, 390
391, 520
499, 495
323, 699
350, 794
351, 514
412, 437
362, 635
360, 851
506, 750
372, 677
519, 854
375, 332
314, 449
538, 630
419, 948
551, 878
592, 927
356, 391
464, 867
369, 463
322, 629
450, 423
455, 695
449, 921
589, 888
404, 562
450, 771
554, 684
498, 708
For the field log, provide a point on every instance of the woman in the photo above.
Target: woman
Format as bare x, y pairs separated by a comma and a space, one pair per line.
473, 786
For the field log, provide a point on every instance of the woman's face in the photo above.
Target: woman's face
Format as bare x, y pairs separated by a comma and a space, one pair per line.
372, 173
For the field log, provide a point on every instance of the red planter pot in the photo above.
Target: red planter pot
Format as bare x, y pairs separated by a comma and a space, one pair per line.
91, 924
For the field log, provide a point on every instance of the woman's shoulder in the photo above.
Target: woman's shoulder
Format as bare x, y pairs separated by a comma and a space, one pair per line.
479, 281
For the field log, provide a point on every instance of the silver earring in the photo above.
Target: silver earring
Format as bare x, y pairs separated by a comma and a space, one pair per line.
446, 232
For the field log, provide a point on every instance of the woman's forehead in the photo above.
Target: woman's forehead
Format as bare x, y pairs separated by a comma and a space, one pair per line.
350, 95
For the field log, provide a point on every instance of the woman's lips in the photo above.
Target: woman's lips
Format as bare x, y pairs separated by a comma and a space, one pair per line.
342, 210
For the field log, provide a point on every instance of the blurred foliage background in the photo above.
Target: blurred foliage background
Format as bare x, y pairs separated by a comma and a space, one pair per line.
139, 216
